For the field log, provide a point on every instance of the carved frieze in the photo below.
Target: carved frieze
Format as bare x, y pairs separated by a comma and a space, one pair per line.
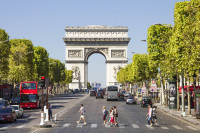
76, 72
75, 53
116, 70
117, 53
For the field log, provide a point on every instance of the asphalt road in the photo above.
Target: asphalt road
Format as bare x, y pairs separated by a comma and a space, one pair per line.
131, 119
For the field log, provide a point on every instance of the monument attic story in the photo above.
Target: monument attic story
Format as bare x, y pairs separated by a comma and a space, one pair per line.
97, 33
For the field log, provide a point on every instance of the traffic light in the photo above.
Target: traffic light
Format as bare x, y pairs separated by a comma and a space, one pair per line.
42, 81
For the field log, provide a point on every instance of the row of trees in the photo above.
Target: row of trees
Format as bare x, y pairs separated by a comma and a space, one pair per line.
21, 61
172, 50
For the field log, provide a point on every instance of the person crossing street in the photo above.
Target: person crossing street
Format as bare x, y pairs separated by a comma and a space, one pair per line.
82, 113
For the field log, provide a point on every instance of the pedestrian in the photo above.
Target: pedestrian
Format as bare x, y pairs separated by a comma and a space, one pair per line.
82, 113
105, 113
149, 116
154, 115
115, 112
50, 112
111, 117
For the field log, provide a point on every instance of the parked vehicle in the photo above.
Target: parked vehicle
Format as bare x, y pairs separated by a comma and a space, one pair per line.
112, 93
130, 100
4, 103
99, 95
92, 93
8, 114
145, 102
18, 110
127, 94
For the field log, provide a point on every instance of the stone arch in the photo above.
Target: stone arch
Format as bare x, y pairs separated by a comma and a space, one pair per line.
91, 51
82, 42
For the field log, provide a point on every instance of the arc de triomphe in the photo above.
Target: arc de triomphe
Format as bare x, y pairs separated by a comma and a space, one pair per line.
82, 42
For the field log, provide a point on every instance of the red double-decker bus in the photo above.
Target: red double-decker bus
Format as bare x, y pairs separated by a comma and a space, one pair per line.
30, 94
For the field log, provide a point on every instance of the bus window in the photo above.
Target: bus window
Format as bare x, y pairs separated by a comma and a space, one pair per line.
112, 88
28, 85
28, 98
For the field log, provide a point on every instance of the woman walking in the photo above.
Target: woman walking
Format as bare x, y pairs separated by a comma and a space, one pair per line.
105, 113
111, 117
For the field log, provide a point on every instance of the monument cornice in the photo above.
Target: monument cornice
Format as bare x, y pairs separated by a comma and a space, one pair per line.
94, 43
117, 61
75, 61
96, 39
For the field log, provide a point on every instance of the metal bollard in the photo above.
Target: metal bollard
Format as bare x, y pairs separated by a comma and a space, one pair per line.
42, 118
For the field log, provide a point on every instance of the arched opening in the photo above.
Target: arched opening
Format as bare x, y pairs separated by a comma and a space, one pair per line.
97, 68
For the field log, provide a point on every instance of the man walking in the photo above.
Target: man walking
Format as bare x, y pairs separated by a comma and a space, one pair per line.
82, 113
115, 112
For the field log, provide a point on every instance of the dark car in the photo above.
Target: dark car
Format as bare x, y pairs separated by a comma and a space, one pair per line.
8, 114
4, 103
145, 102
130, 100
92, 93
121, 94
15, 101
102, 91
99, 95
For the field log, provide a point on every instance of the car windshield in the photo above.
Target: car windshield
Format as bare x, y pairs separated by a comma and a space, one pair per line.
28, 85
15, 107
130, 97
123, 92
6, 110
112, 88
28, 98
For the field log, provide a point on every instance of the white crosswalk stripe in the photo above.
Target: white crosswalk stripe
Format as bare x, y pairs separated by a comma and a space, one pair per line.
93, 125
177, 127
21, 126
192, 128
164, 127
121, 126
66, 125
135, 126
107, 126
79, 125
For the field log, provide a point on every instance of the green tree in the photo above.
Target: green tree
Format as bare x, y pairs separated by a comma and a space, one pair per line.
41, 62
21, 60
4, 54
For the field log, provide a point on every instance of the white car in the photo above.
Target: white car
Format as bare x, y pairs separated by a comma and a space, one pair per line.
18, 110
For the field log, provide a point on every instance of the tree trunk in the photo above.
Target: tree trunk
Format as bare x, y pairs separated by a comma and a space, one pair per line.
188, 91
178, 105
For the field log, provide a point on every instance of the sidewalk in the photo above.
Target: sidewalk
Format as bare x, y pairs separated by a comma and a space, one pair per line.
189, 119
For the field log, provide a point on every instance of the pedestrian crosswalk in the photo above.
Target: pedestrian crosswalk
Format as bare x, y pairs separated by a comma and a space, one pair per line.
122, 126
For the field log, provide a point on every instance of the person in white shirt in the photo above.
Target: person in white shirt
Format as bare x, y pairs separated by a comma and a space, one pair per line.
82, 113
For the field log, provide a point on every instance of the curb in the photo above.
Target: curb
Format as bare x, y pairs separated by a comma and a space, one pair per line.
179, 118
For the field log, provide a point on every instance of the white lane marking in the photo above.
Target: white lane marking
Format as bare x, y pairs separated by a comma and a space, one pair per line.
192, 128
80, 125
21, 126
37, 130
107, 126
177, 127
3, 128
66, 125
93, 125
135, 126
121, 126
164, 127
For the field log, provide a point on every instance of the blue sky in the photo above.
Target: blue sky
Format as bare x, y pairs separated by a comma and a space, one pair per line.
44, 21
